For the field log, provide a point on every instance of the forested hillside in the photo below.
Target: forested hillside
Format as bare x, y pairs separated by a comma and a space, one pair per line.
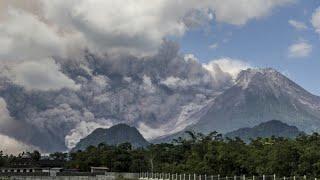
202, 154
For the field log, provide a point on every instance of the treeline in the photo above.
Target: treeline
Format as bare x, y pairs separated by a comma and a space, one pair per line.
208, 154
6, 160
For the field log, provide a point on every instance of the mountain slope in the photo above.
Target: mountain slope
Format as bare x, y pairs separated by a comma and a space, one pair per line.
115, 135
267, 129
258, 96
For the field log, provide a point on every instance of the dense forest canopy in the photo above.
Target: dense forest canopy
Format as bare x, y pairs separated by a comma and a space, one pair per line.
202, 154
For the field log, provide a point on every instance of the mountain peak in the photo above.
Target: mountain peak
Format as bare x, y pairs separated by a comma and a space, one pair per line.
246, 77
270, 81
258, 96
259, 71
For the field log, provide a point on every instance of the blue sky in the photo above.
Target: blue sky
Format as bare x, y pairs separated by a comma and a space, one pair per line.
264, 42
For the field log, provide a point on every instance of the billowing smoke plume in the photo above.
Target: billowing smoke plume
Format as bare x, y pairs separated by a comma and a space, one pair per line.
10, 145
159, 94
68, 67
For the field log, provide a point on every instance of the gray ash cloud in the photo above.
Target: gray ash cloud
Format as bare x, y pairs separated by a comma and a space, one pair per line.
145, 92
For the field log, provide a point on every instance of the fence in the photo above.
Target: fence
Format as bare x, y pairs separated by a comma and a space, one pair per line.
168, 176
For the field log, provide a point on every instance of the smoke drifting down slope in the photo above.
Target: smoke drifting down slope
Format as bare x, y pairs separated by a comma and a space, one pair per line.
159, 94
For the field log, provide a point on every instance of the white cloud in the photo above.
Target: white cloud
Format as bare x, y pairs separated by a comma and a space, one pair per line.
214, 46
298, 25
315, 20
241, 11
137, 26
228, 65
191, 58
26, 37
300, 49
41, 75
132, 26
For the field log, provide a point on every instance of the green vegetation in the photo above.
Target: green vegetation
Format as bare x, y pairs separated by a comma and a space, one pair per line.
115, 135
206, 154
8, 159
266, 129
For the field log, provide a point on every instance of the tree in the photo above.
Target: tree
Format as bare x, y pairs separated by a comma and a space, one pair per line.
35, 155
